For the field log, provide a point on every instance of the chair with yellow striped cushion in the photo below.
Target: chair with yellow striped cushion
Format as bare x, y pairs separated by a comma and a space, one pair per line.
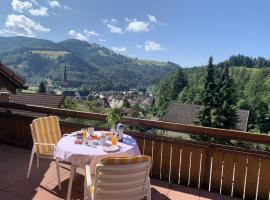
119, 178
45, 133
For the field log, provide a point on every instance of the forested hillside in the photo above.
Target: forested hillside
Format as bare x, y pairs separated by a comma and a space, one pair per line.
252, 88
89, 66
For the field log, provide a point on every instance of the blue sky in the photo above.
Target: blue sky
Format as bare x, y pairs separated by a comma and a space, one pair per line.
186, 32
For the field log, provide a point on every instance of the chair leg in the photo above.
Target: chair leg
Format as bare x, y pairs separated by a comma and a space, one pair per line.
75, 174
72, 171
37, 162
85, 188
58, 174
148, 189
30, 163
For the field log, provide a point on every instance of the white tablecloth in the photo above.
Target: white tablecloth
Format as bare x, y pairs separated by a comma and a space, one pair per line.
80, 155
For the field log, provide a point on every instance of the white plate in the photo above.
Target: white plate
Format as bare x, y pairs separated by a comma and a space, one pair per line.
73, 134
110, 148
93, 142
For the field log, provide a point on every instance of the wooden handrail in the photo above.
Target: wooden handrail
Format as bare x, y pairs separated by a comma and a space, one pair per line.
190, 129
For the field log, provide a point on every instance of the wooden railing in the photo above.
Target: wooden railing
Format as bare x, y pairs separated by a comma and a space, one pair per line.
224, 169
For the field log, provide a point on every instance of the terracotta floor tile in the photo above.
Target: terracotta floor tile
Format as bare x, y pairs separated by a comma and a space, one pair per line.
6, 195
24, 188
43, 194
205, 195
179, 192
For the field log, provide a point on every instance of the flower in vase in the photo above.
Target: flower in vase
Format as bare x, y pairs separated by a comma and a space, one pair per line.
115, 113
116, 104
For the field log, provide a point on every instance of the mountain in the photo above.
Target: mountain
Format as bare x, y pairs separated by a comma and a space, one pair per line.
89, 66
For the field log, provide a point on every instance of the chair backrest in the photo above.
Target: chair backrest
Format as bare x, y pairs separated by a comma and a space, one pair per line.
122, 178
45, 130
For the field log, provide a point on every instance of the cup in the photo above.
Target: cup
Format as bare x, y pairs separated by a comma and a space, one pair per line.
102, 139
114, 140
90, 131
94, 135
84, 133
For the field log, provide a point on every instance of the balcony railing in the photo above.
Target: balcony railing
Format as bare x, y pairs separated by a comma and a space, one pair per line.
230, 170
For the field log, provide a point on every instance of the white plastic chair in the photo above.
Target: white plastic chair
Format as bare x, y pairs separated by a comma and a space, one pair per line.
45, 133
119, 179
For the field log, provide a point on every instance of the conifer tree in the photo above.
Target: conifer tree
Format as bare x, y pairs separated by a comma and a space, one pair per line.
42, 88
168, 91
208, 97
178, 82
224, 115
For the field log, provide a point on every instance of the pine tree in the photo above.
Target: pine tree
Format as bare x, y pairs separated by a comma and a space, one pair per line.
259, 119
224, 113
168, 91
178, 83
208, 97
42, 88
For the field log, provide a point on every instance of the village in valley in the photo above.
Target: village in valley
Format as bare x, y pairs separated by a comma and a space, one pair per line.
141, 100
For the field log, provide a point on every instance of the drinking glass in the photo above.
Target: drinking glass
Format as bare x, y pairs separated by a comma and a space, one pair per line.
102, 138
114, 140
91, 131
84, 133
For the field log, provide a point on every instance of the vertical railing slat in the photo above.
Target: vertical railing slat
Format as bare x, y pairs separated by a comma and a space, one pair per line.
252, 176
228, 173
264, 186
195, 167
175, 163
140, 142
157, 160
148, 150
216, 171
185, 165
240, 169
165, 161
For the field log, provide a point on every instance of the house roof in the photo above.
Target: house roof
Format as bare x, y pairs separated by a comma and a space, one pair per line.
38, 99
9, 80
187, 114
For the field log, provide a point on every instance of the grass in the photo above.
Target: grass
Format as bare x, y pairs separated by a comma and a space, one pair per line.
50, 54
31, 89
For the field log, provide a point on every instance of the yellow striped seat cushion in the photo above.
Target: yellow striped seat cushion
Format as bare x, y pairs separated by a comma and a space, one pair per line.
124, 160
46, 130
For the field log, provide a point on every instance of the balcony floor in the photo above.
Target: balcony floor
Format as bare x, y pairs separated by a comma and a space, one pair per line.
43, 182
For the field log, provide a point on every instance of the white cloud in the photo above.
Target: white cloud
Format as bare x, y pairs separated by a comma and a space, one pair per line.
102, 40
21, 6
114, 29
119, 49
77, 35
54, 4
152, 19
42, 11
90, 33
82, 36
138, 26
127, 19
23, 26
34, 2
105, 21
112, 21
66, 7
152, 46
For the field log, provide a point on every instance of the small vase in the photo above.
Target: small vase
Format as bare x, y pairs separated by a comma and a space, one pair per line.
112, 129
